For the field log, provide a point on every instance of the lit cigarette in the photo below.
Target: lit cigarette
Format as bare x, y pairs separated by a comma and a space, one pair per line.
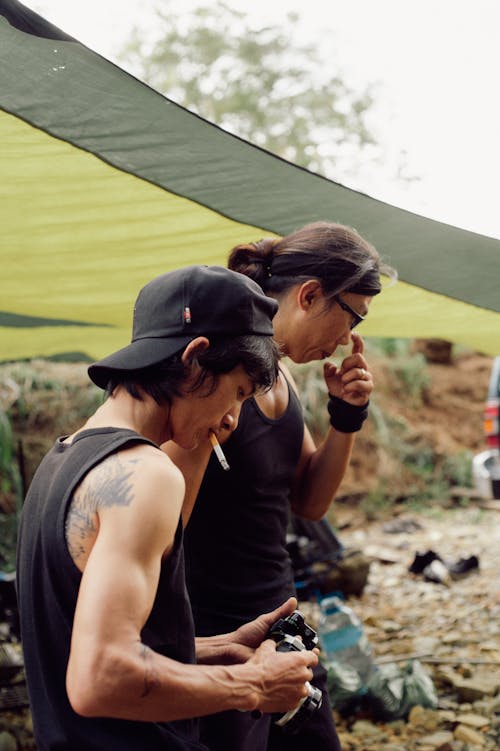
218, 451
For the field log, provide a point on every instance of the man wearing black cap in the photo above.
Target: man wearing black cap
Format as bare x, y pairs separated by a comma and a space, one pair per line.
106, 625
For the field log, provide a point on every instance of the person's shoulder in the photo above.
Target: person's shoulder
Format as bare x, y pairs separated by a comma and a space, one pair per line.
157, 488
152, 464
288, 377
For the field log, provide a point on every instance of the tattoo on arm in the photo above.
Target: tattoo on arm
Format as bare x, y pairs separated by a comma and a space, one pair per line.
108, 484
151, 680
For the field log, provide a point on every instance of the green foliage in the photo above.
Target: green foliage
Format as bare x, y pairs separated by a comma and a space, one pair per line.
376, 502
389, 346
259, 83
412, 372
8, 476
40, 386
457, 469
38, 401
410, 369
8, 541
10, 489
428, 475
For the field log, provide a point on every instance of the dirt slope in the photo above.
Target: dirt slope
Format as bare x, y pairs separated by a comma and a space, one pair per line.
444, 421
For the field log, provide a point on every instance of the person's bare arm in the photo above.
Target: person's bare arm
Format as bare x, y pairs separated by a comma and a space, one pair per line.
111, 672
320, 470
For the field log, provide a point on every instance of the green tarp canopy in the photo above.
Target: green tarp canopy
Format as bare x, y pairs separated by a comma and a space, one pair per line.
106, 183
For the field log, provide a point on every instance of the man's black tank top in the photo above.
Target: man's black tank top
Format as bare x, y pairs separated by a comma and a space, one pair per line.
48, 583
237, 564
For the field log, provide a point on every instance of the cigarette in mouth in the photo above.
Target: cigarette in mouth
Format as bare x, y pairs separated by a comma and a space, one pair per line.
218, 451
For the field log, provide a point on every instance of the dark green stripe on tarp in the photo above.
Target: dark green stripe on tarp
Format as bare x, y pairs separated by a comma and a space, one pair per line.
25, 20
15, 320
74, 94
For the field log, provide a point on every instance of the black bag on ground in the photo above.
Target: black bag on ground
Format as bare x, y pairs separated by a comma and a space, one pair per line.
320, 561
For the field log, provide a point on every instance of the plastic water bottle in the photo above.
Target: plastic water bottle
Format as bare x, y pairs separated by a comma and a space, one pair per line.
343, 643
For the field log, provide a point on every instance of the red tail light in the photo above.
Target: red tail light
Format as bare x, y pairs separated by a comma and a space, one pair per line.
491, 423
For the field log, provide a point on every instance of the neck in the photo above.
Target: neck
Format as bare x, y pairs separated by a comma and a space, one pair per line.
146, 417
280, 330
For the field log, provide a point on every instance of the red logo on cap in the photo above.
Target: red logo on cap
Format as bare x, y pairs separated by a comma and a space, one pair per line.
187, 315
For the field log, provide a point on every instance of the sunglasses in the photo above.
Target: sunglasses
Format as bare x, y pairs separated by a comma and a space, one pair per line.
356, 317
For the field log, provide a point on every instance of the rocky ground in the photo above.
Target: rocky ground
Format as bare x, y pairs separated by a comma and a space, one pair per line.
451, 628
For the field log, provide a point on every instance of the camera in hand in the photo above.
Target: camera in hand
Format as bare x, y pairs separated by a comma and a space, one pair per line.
293, 634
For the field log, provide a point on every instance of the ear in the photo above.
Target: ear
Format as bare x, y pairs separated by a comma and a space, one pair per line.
195, 348
308, 293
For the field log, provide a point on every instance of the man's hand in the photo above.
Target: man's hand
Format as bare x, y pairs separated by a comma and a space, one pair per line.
280, 681
254, 632
352, 381
240, 645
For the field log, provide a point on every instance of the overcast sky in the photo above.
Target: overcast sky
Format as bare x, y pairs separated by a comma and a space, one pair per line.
437, 66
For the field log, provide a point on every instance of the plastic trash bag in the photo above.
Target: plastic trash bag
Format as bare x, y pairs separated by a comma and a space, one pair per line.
389, 693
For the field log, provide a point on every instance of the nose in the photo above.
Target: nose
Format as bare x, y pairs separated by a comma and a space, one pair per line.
230, 419
345, 338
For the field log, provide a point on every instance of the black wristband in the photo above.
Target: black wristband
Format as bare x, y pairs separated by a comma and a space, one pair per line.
345, 417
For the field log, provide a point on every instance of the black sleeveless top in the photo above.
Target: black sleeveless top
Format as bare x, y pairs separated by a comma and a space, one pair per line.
237, 564
48, 582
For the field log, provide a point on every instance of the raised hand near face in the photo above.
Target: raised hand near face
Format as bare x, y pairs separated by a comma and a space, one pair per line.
351, 381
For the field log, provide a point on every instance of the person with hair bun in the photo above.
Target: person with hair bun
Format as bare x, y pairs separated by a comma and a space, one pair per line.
107, 631
323, 276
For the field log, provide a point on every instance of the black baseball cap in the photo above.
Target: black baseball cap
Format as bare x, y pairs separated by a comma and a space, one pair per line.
180, 305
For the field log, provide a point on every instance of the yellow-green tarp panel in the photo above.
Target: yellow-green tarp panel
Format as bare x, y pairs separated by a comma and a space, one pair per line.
106, 183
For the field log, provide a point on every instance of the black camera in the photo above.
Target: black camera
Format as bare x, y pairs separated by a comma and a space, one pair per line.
292, 634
